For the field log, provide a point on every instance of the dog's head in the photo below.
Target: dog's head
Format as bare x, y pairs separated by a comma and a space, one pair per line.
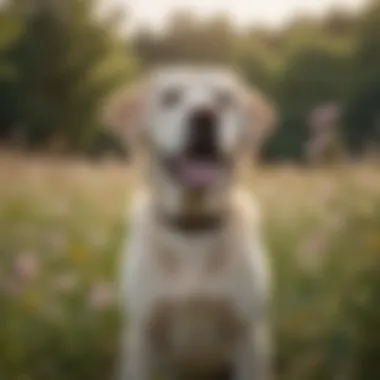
194, 123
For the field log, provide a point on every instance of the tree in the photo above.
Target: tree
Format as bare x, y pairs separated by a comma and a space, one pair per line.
67, 65
11, 28
311, 77
363, 107
187, 39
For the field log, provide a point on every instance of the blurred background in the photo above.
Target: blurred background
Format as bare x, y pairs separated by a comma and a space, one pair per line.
64, 180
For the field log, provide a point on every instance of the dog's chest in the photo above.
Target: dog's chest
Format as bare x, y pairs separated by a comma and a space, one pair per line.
196, 311
195, 330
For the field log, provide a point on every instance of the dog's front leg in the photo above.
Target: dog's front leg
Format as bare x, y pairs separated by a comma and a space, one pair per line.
137, 358
254, 361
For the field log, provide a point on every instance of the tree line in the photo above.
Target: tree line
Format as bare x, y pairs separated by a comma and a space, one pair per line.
61, 60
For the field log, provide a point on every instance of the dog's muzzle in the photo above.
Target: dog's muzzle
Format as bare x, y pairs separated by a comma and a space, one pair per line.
202, 141
202, 164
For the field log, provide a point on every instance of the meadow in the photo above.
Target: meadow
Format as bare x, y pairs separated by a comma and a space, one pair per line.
61, 230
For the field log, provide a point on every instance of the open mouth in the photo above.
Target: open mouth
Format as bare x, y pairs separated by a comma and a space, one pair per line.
202, 164
196, 172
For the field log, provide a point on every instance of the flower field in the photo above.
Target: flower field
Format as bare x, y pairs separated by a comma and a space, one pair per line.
61, 230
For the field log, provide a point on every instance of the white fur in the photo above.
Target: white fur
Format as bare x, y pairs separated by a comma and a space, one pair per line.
243, 280
168, 127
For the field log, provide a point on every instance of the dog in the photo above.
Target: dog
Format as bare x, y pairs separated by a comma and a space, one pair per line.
195, 279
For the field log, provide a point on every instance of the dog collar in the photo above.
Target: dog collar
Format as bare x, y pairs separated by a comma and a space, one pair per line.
195, 223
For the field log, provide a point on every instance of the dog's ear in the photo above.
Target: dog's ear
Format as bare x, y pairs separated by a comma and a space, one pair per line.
124, 112
261, 117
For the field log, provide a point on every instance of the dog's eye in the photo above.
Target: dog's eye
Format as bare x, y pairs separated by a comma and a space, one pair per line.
224, 99
171, 97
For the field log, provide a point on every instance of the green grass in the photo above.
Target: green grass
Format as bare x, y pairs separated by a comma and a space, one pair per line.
61, 230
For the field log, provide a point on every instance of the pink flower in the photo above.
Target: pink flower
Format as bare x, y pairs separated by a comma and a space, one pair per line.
101, 296
315, 147
325, 116
26, 267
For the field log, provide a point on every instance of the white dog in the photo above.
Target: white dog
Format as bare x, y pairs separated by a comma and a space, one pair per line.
195, 284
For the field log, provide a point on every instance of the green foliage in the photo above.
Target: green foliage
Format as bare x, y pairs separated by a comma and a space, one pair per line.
363, 106
60, 59
311, 76
67, 63
187, 39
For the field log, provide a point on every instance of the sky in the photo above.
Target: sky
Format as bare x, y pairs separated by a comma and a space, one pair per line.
242, 12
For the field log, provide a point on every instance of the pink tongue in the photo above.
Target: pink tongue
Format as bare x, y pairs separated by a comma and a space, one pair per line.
199, 173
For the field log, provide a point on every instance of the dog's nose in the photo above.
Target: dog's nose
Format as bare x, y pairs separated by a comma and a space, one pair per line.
202, 131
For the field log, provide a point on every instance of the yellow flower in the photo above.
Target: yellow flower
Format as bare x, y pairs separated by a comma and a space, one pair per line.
374, 241
77, 254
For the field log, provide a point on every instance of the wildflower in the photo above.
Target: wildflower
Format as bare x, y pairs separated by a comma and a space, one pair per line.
57, 241
374, 241
26, 267
325, 116
66, 282
77, 254
101, 296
